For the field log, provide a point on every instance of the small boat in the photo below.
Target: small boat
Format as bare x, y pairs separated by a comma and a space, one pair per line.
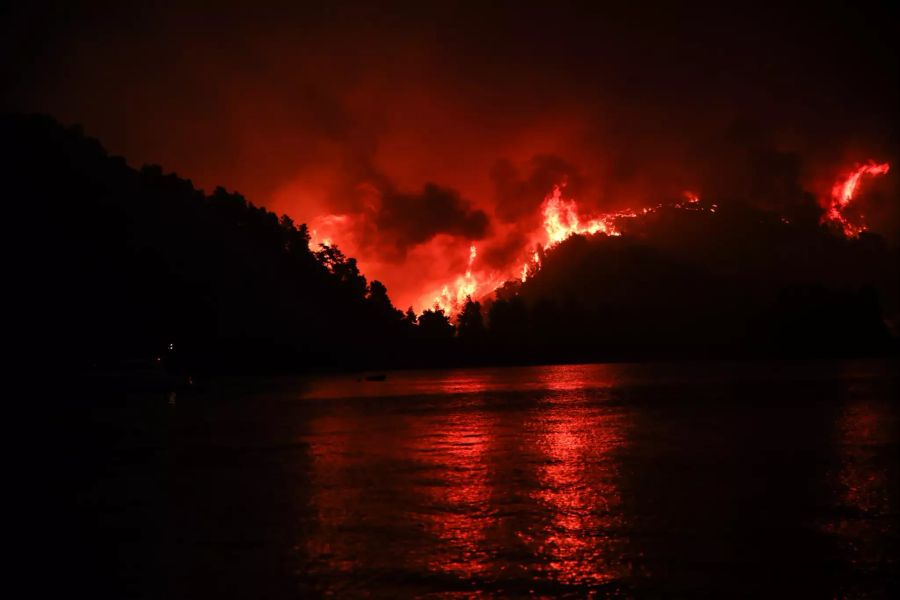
376, 377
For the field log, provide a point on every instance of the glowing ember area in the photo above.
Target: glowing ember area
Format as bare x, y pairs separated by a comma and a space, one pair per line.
453, 296
473, 284
844, 192
561, 219
325, 227
691, 198
532, 267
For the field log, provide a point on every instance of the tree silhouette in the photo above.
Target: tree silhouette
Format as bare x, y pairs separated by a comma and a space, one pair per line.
122, 263
435, 326
470, 323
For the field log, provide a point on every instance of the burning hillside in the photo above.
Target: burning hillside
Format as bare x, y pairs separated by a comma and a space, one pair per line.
559, 217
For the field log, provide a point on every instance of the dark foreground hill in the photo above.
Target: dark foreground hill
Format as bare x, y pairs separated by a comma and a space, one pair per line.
746, 285
116, 263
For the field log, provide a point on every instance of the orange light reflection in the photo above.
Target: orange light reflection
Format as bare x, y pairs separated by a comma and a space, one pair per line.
579, 484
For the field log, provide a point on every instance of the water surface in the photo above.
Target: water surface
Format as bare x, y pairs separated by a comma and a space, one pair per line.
692, 479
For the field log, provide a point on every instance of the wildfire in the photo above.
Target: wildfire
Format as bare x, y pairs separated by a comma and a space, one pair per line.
561, 219
324, 227
693, 201
534, 266
464, 287
844, 191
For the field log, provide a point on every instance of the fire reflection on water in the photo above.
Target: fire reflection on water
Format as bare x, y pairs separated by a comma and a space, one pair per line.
576, 480
472, 487
579, 492
456, 500
867, 490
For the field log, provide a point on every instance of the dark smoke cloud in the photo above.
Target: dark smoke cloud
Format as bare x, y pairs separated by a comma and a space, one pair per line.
517, 194
406, 220
752, 167
506, 248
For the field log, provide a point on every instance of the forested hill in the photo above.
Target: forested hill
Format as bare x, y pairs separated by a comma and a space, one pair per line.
117, 263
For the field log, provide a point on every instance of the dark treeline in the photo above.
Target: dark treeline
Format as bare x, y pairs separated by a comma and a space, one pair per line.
115, 263
707, 281
127, 264
602, 298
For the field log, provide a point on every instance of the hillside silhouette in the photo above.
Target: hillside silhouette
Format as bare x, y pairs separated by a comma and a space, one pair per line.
121, 264
114, 263
739, 282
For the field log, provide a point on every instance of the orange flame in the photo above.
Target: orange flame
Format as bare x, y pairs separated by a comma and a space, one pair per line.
844, 191
561, 219
324, 228
533, 267
463, 288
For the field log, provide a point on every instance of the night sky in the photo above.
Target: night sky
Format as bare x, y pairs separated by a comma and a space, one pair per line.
406, 132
